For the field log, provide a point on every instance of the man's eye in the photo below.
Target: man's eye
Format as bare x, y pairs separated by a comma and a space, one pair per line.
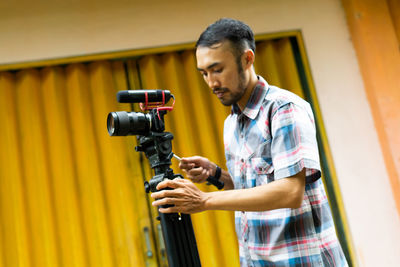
218, 70
204, 74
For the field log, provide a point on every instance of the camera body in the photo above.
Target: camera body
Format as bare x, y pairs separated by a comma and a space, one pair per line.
122, 123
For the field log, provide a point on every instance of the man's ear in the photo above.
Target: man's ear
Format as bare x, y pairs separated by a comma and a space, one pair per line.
249, 58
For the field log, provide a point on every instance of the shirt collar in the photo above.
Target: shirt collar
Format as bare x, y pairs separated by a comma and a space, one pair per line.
255, 100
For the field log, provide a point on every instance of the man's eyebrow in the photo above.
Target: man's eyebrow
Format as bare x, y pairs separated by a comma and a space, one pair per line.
210, 66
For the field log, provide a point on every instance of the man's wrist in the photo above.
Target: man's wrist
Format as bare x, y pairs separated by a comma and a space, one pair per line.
218, 172
212, 168
206, 201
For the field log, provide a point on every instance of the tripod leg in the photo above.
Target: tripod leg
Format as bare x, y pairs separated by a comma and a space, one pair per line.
167, 226
190, 238
180, 241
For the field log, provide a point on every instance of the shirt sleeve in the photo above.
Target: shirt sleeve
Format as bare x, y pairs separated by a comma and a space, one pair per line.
294, 144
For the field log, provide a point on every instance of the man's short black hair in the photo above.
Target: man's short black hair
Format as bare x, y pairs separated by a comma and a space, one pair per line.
238, 33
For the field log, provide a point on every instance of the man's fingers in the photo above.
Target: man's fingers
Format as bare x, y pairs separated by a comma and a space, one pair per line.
169, 199
168, 210
186, 165
191, 162
196, 171
164, 201
171, 210
200, 176
168, 183
175, 184
197, 168
195, 159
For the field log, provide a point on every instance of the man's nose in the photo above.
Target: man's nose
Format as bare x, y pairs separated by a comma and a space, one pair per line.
212, 82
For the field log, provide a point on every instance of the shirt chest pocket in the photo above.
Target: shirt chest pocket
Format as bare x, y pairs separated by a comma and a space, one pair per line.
261, 167
261, 171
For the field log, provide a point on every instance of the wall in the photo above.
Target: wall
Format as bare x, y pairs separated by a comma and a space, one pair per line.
32, 31
374, 27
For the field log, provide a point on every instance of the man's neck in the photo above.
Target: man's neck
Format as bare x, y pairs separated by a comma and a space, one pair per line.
249, 90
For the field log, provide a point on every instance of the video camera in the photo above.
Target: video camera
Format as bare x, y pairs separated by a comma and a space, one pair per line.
122, 123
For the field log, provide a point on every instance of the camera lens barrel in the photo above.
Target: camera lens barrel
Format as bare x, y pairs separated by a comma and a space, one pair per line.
122, 123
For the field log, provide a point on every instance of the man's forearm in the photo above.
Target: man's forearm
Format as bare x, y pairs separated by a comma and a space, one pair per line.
284, 193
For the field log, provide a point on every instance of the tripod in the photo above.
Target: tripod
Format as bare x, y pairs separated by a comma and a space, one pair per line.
179, 238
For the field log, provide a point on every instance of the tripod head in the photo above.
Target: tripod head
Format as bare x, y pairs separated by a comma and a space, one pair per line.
158, 150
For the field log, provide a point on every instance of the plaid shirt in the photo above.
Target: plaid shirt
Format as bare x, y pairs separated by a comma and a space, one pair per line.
273, 138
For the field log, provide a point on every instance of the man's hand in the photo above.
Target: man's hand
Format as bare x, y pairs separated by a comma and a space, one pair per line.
185, 197
197, 169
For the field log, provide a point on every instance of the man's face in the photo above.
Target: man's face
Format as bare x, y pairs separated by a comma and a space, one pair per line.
221, 72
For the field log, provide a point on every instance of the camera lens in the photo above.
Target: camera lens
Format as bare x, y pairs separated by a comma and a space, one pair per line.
123, 123
112, 119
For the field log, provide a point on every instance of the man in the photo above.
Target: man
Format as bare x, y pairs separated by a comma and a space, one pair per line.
282, 214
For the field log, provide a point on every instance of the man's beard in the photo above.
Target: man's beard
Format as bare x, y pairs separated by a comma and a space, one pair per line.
235, 97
